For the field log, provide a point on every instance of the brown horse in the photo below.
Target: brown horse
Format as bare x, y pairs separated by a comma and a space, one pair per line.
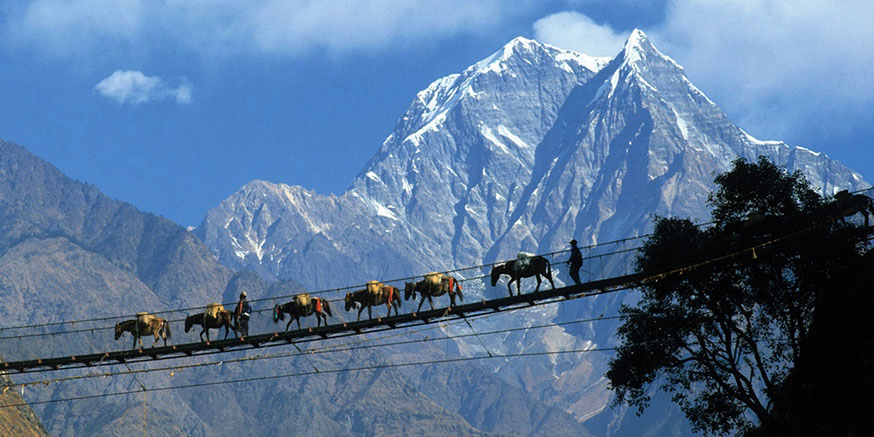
524, 267
386, 294
222, 319
140, 326
303, 306
434, 284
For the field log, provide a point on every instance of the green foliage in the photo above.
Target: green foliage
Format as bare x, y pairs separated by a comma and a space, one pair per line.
762, 186
728, 307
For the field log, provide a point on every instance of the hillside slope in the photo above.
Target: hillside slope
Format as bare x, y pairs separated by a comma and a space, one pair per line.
67, 252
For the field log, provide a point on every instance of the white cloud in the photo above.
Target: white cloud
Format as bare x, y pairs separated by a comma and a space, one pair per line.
780, 64
70, 28
135, 88
575, 31
277, 27
338, 26
782, 69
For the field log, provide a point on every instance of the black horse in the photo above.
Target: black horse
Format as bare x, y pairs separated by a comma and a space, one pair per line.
524, 267
222, 320
302, 307
846, 204
387, 295
434, 284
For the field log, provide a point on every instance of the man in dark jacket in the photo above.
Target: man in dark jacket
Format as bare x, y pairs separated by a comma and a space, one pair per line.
241, 314
575, 262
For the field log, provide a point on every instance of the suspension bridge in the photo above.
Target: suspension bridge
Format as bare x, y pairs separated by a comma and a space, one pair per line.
88, 343
328, 331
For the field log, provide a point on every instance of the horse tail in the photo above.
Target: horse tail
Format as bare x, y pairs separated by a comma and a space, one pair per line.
167, 328
326, 306
457, 284
233, 322
390, 296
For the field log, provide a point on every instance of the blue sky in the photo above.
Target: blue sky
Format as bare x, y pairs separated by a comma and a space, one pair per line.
173, 105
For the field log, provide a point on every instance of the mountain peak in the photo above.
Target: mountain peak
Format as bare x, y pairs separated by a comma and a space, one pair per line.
638, 48
517, 46
636, 38
520, 41
528, 49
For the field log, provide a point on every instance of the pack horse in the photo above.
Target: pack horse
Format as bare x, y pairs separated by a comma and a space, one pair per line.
303, 305
144, 324
525, 266
435, 284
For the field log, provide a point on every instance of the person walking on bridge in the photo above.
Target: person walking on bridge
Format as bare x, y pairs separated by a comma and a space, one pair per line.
575, 262
241, 314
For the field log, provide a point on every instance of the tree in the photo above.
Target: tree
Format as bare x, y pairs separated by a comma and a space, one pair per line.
728, 308
828, 391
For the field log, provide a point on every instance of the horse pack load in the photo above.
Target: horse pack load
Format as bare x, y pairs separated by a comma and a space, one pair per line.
374, 287
144, 319
213, 309
303, 299
523, 260
434, 278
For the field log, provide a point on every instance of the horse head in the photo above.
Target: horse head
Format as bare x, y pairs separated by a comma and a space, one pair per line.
277, 313
409, 290
497, 271
350, 302
189, 322
118, 330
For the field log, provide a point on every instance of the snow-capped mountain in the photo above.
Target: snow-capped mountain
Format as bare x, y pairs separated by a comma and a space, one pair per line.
462, 152
523, 150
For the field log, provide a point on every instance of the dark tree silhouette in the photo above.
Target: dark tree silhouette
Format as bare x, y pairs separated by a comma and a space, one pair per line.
828, 392
730, 307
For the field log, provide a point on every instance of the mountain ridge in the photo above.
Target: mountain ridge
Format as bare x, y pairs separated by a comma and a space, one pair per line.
67, 252
519, 153
463, 120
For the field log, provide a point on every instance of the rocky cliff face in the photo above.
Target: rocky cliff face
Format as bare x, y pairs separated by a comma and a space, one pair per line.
523, 150
20, 420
